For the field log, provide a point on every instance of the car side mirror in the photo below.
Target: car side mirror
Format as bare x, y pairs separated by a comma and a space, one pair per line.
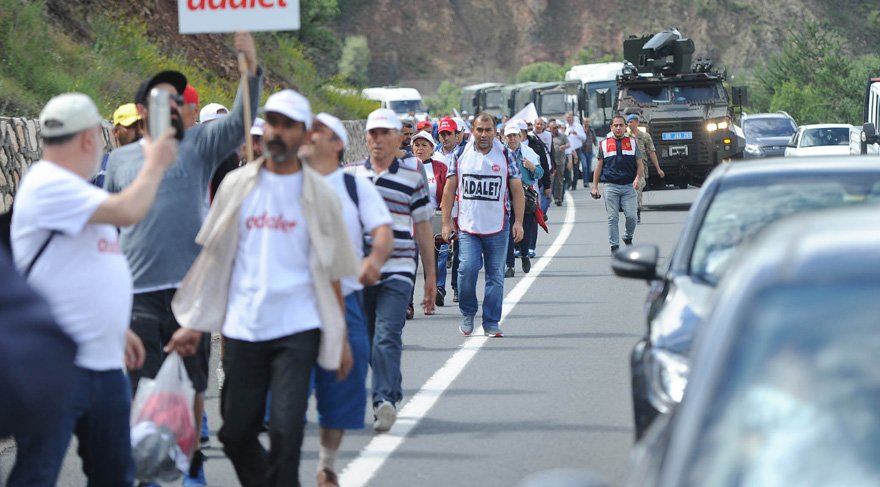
636, 262
869, 133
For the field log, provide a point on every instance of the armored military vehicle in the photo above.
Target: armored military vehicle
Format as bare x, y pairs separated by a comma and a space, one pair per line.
483, 97
685, 106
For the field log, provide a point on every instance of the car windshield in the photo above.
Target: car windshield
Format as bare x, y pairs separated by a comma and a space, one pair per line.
406, 106
649, 94
738, 212
799, 403
493, 99
825, 136
756, 128
681, 94
553, 103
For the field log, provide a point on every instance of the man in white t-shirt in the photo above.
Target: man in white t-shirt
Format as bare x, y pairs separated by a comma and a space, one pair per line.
64, 239
275, 240
576, 139
341, 403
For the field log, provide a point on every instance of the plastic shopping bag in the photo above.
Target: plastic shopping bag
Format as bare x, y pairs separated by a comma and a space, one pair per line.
163, 431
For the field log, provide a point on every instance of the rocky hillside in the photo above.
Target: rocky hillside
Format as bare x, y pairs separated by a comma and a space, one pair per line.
473, 41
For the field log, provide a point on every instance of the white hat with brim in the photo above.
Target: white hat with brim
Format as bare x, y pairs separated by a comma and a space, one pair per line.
211, 111
335, 125
290, 104
68, 114
424, 135
511, 129
257, 127
383, 118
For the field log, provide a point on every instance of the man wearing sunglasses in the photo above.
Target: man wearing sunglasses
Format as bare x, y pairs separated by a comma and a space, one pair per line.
161, 247
619, 166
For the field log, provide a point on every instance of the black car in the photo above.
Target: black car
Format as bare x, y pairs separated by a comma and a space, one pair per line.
767, 134
785, 388
737, 201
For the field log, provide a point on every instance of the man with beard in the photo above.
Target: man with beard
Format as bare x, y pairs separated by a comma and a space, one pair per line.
275, 248
162, 246
481, 177
65, 241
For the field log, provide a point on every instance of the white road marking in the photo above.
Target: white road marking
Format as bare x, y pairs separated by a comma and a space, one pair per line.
360, 470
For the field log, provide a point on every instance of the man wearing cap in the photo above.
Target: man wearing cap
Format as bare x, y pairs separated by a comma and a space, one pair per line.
64, 240
447, 152
480, 178
162, 246
619, 166
341, 403
189, 111
423, 146
406, 195
274, 251
127, 128
646, 147
256, 141
530, 172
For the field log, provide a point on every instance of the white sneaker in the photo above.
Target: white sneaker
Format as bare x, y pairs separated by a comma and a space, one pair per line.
385, 416
221, 376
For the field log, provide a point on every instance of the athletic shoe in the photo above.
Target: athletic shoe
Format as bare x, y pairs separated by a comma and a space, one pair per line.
204, 436
493, 332
516, 253
614, 249
532, 253
585, 185
410, 311
509, 272
628, 241
526, 265
384, 416
455, 295
196, 475
639, 215
467, 326
441, 295
558, 202
221, 376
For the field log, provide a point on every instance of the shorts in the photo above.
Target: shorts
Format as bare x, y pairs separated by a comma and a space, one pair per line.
153, 321
341, 404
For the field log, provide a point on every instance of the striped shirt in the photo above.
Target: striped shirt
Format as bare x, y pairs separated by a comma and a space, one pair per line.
406, 195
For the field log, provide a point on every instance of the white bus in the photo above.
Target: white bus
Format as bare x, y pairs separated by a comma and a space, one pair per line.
872, 113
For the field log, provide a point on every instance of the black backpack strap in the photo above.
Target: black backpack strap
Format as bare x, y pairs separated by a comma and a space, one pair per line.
27, 272
351, 188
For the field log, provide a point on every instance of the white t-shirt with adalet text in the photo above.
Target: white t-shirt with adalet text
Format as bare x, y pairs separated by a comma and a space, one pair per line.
82, 273
271, 294
371, 210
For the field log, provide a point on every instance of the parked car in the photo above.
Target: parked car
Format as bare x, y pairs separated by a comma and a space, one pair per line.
826, 139
767, 134
785, 389
736, 202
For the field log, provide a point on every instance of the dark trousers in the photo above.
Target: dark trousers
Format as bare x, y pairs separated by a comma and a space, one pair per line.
530, 227
252, 368
455, 260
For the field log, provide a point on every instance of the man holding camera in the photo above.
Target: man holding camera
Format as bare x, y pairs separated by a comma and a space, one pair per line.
161, 248
619, 166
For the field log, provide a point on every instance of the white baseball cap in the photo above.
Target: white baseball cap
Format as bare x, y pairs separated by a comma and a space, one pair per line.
522, 124
68, 114
424, 135
211, 111
462, 126
511, 128
257, 127
335, 125
383, 118
290, 104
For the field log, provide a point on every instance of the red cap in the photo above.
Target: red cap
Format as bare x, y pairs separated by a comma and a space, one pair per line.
424, 125
190, 96
447, 125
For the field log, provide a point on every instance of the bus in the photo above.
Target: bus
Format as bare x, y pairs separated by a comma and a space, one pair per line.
870, 140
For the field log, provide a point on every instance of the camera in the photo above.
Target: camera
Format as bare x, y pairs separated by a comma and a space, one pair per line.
159, 112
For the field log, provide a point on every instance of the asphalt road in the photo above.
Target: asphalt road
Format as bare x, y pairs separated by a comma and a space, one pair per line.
553, 393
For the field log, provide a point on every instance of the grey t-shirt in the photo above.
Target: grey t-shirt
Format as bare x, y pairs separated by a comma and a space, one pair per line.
161, 247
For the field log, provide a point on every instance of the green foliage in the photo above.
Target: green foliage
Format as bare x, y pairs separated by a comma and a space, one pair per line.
542, 71
587, 56
813, 79
447, 98
355, 60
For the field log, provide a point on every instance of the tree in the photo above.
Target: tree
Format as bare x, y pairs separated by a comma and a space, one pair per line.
446, 99
540, 72
355, 60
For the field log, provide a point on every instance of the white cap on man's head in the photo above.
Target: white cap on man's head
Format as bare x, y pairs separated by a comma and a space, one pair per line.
512, 128
68, 114
290, 104
424, 135
383, 118
257, 127
462, 126
335, 125
211, 111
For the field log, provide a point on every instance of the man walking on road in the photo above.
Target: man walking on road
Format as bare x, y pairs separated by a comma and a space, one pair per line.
274, 250
587, 149
161, 248
341, 403
646, 147
619, 166
406, 195
481, 177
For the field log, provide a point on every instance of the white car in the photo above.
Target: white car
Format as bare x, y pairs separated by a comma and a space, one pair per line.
824, 139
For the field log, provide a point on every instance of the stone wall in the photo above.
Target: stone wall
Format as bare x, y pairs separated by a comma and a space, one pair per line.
21, 146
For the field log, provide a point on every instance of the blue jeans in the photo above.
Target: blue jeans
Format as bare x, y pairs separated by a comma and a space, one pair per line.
586, 162
476, 249
619, 196
442, 255
98, 411
385, 306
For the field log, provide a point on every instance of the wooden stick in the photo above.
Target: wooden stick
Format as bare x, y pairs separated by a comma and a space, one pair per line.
246, 91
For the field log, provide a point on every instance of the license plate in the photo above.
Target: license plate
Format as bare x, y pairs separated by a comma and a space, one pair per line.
678, 150
677, 135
